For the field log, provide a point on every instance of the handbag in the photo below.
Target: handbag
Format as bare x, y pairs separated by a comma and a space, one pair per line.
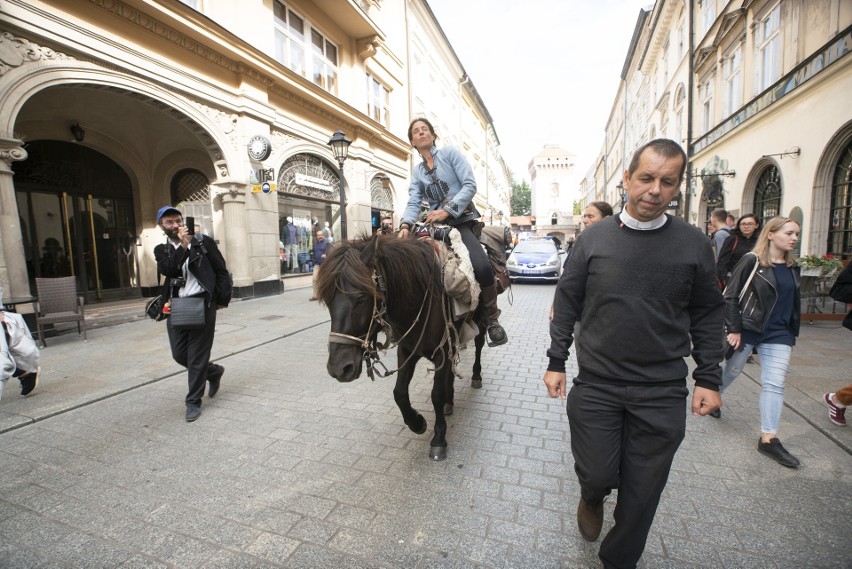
729, 349
187, 313
154, 307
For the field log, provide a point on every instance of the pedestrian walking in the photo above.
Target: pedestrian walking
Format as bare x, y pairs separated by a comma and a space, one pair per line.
838, 401
740, 243
719, 230
762, 310
193, 268
19, 354
643, 285
318, 254
594, 212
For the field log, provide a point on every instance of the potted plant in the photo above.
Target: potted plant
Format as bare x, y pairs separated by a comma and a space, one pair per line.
815, 266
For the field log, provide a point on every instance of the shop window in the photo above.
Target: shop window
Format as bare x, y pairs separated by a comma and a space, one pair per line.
308, 202
767, 194
840, 212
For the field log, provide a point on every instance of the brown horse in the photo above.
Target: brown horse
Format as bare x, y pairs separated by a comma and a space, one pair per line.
392, 285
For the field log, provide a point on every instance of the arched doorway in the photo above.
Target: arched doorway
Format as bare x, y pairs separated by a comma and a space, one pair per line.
308, 201
76, 213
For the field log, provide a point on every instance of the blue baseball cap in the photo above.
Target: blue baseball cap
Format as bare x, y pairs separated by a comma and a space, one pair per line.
167, 209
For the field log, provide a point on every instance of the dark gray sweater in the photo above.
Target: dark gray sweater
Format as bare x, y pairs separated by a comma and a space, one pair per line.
640, 296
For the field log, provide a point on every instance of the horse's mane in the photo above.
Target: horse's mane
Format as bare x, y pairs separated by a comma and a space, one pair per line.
408, 266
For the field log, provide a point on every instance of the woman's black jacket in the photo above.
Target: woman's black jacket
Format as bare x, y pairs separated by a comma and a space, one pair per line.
732, 251
759, 299
205, 262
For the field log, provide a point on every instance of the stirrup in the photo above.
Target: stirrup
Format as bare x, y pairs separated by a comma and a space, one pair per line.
498, 342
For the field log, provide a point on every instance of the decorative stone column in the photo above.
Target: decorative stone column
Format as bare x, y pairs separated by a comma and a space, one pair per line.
13, 272
235, 244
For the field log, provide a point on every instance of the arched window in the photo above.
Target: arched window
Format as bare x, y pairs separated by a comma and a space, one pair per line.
380, 193
190, 185
767, 194
840, 223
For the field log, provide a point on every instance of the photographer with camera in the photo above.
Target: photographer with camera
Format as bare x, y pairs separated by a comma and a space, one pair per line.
193, 268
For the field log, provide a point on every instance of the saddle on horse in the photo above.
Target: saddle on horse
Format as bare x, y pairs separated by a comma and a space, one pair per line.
458, 274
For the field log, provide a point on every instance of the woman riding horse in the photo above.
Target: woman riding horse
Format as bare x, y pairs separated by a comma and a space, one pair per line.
445, 180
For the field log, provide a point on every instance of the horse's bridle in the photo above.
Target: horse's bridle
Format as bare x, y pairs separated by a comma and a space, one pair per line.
369, 343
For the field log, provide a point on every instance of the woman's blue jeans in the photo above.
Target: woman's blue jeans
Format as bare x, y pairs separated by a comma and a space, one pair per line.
774, 361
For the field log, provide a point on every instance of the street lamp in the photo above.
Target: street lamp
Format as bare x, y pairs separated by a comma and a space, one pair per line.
340, 146
500, 217
623, 192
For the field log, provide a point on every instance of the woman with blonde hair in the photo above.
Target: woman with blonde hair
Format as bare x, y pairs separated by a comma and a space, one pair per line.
762, 310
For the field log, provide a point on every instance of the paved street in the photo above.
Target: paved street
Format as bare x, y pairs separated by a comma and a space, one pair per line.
288, 468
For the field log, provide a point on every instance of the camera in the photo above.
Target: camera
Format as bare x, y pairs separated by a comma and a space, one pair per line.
177, 282
190, 225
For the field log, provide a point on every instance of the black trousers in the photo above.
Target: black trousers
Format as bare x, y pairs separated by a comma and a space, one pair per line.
625, 437
191, 349
481, 265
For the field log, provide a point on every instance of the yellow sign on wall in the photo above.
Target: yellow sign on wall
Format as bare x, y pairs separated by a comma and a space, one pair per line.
266, 188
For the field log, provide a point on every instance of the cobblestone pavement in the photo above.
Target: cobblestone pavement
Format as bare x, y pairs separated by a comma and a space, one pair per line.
288, 468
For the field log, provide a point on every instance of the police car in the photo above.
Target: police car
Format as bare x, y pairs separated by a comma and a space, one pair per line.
536, 259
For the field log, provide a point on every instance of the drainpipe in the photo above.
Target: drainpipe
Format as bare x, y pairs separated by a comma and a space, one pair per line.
687, 198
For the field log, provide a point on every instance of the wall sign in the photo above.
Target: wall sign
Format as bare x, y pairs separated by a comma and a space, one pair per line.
259, 148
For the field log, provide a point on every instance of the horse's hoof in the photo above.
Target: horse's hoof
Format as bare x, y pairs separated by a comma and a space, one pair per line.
476, 383
448, 409
438, 453
419, 426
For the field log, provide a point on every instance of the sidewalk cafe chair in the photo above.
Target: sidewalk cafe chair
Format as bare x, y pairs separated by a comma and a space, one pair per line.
58, 302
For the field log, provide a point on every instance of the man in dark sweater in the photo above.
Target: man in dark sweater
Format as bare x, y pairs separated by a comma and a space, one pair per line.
643, 285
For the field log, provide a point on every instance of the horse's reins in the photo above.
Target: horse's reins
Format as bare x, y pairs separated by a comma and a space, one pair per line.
369, 344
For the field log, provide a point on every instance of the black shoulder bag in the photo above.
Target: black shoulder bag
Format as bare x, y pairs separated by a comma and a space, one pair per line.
188, 312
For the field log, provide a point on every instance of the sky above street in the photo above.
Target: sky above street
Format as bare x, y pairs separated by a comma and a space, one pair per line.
547, 70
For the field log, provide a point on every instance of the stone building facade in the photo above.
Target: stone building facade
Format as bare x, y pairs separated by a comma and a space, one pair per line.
754, 99
111, 109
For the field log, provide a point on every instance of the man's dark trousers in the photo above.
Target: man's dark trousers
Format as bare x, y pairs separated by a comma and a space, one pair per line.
625, 437
191, 349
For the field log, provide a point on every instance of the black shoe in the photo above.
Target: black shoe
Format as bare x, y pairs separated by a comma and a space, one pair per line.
29, 383
589, 520
775, 451
192, 412
496, 335
214, 374
717, 414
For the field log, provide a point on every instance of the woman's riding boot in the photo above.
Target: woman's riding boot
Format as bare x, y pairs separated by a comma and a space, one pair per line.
496, 333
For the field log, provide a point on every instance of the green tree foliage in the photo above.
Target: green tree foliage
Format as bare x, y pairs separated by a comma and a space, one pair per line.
578, 208
521, 200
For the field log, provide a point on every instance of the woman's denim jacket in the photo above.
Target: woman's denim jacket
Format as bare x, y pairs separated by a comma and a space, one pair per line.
455, 196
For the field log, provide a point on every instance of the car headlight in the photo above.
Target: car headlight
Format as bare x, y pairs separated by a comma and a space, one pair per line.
512, 263
553, 262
